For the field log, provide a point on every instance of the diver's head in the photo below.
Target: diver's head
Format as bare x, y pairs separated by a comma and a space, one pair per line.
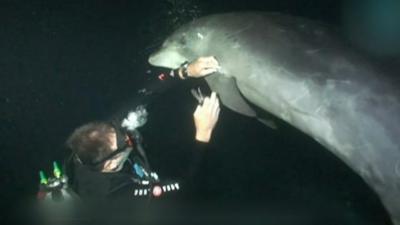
101, 146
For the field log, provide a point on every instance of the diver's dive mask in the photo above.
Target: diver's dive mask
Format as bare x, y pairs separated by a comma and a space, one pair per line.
124, 144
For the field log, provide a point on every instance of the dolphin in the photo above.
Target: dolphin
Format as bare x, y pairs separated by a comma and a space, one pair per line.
304, 74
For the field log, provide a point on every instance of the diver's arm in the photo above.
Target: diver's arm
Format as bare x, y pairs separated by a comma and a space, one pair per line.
205, 118
200, 67
154, 87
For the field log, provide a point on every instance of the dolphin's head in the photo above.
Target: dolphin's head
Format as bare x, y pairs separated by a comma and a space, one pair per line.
186, 44
170, 55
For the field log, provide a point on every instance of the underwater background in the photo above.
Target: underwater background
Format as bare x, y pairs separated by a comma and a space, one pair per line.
64, 63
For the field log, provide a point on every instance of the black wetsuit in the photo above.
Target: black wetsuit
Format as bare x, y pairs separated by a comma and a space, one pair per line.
91, 184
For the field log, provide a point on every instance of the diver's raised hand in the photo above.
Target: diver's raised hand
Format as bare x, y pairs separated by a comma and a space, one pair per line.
206, 117
202, 66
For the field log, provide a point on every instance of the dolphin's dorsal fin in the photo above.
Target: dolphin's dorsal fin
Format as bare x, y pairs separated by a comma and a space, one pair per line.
229, 94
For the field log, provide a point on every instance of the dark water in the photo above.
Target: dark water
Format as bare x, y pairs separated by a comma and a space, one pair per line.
63, 63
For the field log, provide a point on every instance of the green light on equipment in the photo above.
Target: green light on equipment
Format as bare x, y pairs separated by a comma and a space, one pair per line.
56, 170
43, 179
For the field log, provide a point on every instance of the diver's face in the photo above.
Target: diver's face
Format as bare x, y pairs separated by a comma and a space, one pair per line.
112, 137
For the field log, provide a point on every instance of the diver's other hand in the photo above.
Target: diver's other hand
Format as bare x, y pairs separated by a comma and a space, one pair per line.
206, 117
202, 66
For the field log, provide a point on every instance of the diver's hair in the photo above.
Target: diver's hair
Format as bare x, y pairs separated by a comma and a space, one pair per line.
91, 142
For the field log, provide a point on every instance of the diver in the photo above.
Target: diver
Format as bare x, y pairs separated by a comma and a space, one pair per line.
108, 162
102, 149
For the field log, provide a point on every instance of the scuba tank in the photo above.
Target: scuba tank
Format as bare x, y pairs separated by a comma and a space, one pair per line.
56, 201
55, 189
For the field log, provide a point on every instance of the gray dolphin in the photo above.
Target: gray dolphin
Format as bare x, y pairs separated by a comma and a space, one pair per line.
300, 72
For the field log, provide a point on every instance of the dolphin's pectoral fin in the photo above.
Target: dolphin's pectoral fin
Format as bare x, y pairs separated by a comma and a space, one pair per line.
231, 97
229, 94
